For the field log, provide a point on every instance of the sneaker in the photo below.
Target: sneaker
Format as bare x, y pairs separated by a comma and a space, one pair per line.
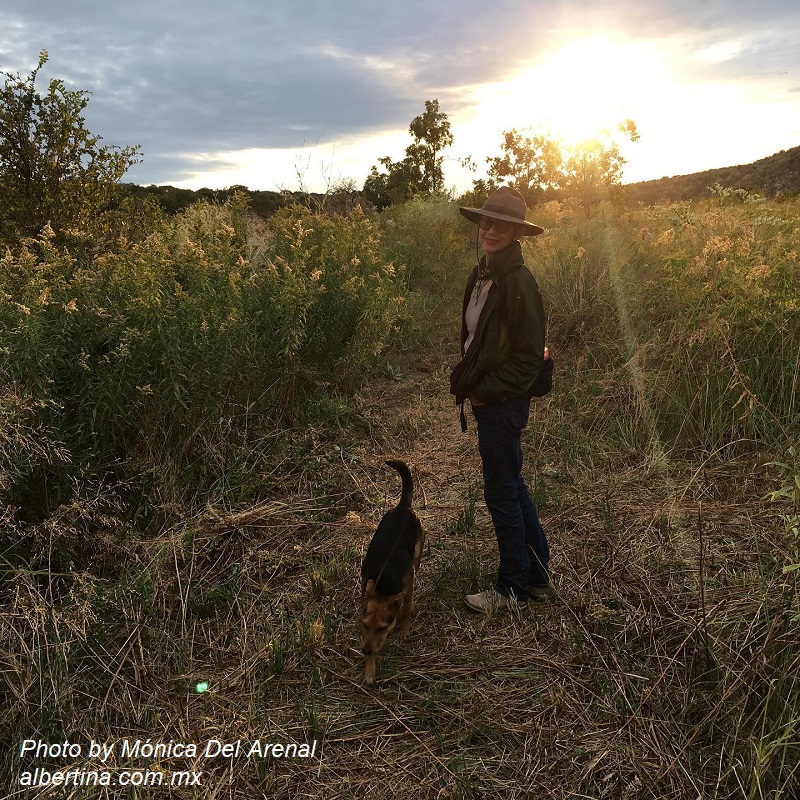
538, 593
492, 600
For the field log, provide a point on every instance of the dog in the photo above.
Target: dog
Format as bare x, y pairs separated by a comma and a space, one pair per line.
387, 574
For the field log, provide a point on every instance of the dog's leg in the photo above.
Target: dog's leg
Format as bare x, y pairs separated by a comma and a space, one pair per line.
369, 670
405, 615
419, 546
408, 603
404, 618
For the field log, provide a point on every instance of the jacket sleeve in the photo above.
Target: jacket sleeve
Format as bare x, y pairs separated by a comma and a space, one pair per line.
524, 334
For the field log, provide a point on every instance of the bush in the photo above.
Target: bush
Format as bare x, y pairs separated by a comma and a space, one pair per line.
148, 358
434, 247
679, 320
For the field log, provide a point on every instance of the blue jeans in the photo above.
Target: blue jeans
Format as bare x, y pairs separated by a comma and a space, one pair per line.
524, 552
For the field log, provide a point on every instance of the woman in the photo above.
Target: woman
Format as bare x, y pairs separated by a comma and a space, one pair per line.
503, 365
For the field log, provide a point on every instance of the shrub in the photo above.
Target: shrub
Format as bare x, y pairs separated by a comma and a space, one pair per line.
153, 356
683, 319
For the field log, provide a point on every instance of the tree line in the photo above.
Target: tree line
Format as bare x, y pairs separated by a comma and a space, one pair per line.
54, 171
539, 166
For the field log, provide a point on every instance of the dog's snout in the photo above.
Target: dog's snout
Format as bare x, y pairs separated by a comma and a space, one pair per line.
367, 650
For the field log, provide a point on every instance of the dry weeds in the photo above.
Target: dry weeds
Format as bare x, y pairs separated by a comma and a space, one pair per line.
658, 651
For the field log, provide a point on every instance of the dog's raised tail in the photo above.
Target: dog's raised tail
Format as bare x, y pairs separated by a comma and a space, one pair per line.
408, 483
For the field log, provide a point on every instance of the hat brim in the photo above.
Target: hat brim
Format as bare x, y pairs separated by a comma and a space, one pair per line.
526, 228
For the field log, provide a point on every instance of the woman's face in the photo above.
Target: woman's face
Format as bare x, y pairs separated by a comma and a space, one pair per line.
497, 236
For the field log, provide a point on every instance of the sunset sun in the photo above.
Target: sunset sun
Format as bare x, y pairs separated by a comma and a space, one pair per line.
585, 87
588, 86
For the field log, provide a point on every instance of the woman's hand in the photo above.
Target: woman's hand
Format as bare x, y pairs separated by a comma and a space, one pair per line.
474, 400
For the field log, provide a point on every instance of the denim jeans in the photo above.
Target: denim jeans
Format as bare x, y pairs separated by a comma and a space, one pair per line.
524, 552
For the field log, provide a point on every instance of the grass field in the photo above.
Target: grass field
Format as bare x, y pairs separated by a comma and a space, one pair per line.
194, 427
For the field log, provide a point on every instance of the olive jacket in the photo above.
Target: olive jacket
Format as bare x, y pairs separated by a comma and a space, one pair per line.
507, 353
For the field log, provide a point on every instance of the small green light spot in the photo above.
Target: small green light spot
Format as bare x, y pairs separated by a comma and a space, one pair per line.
202, 686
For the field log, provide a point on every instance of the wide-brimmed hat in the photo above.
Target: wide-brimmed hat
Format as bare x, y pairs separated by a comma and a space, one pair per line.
505, 204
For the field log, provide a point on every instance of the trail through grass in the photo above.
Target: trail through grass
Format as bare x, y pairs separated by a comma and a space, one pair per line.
224, 552
651, 674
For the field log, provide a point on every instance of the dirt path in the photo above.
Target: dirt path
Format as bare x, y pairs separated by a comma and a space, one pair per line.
416, 419
603, 692
421, 421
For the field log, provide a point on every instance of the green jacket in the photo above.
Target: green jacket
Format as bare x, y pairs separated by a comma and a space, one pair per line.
507, 353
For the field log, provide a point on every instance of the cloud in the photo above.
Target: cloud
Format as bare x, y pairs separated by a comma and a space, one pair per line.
183, 78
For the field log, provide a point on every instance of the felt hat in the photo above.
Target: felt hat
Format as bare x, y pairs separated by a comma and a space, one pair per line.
507, 205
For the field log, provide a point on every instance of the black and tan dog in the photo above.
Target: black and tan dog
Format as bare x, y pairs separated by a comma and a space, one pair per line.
387, 574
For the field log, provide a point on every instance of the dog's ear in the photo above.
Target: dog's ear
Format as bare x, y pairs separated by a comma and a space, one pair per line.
368, 589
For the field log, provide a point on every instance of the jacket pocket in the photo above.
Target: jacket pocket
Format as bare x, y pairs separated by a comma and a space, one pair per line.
462, 378
544, 380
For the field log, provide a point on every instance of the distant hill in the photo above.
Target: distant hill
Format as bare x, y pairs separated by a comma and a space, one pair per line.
777, 174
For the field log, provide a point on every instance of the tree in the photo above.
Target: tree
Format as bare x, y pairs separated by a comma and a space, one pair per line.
595, 166
52, 170
401, 181
431, 132
529, 164
420, 172
538, 165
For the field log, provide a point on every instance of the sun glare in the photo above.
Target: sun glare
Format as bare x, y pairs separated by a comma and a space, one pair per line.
591, 85
581, 89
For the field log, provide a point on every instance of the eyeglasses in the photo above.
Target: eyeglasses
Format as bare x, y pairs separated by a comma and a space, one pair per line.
486, 223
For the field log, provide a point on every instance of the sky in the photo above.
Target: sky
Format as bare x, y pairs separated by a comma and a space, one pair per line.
289, 94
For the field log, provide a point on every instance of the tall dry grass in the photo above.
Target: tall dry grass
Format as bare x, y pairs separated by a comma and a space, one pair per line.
682, 321
175, 352
212, 362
